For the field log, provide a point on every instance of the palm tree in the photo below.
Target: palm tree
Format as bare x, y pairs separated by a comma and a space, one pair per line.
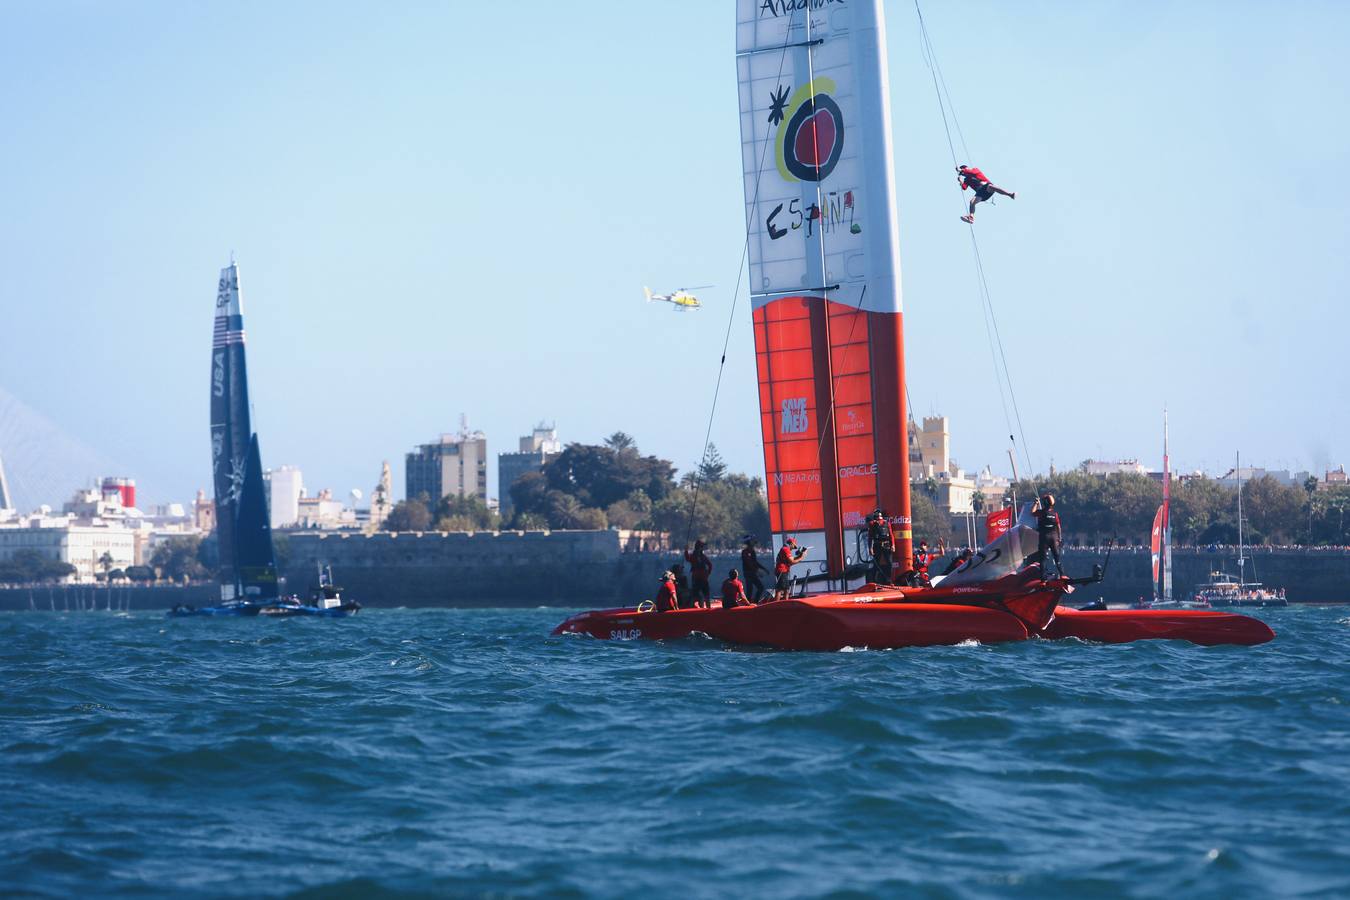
105, 563
1310, 485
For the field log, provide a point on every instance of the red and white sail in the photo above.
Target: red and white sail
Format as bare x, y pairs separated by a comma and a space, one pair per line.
824, 268
1165, 551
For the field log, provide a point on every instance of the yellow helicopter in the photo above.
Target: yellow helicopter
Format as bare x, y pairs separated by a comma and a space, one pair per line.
680, 298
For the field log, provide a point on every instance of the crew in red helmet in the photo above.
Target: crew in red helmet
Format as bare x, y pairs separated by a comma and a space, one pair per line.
973, 179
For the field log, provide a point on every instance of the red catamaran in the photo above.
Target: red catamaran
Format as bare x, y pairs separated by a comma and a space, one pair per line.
828, 323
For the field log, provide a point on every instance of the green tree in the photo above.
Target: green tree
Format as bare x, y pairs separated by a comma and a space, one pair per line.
719, 512
1274, 510
630, 512
712, 468
408, 515
457, 513
1310, 488
176, 559
140, 574
928, 522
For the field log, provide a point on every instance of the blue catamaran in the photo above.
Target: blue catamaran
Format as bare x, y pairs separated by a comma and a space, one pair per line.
248, 569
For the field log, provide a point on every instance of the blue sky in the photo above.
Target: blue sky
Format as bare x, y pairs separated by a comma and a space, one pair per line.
446, 208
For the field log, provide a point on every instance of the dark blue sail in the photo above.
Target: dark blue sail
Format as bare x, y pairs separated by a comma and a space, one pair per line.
231, 434
255, 561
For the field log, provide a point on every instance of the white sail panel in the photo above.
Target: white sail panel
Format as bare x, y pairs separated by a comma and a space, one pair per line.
816, 153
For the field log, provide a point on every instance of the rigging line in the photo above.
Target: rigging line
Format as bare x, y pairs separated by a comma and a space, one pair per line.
987, 305
930, 57
942, 107
735, 297
989, 302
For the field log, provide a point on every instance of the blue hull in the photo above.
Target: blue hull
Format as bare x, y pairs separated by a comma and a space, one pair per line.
270, 610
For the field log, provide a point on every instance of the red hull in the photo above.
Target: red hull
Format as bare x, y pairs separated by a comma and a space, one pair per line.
1012, 609
880, 618
1119, 626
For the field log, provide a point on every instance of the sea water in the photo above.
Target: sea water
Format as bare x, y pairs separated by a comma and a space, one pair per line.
434, 752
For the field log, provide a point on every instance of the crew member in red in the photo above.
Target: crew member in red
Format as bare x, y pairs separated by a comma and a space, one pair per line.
1048, 533
733, 592
923, 558
700, 570
666, 600
752, 566
972, 178
789, 553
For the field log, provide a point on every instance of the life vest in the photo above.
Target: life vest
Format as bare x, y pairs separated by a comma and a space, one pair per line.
700, 566
1047, 523
880, 534
750, 564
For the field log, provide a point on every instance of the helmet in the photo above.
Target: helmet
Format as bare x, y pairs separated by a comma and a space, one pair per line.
790, 542
747, 539
698, 544
1048, 499
733, 574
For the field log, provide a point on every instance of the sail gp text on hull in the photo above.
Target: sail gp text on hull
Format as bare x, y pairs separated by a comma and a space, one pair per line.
787, 7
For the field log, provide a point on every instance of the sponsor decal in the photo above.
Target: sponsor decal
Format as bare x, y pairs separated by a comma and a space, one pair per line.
795, 419
625, 634
218, 373
857, 471
852, 423
778, 8
227, 285
810, 136
782, 478
236, 476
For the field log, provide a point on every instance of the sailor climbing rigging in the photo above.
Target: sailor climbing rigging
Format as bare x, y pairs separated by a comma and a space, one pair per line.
975, 180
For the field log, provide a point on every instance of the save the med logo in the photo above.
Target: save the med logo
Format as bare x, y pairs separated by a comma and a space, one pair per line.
795, 418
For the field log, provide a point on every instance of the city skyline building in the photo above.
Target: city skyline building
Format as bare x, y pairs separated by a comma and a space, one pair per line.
285, 488
536, 449
456, 465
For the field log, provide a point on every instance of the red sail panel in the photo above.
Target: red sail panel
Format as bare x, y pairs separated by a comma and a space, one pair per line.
789, 415
855, 446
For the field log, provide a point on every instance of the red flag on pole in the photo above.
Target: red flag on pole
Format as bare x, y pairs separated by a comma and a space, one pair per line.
996, 524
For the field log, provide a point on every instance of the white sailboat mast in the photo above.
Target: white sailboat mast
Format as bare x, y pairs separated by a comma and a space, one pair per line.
1242, 556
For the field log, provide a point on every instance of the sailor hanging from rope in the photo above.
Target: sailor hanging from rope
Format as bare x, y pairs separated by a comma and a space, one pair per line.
972, 178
